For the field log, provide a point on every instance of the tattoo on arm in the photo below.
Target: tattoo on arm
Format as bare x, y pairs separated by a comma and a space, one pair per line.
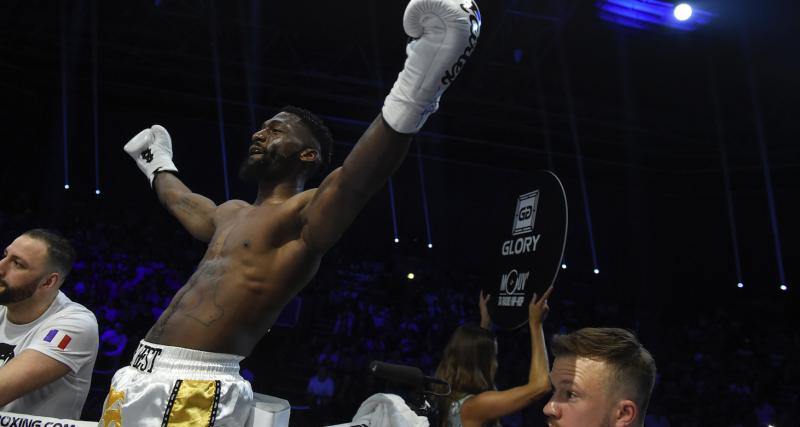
187, 206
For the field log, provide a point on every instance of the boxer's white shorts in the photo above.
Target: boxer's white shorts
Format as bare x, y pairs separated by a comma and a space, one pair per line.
173, 386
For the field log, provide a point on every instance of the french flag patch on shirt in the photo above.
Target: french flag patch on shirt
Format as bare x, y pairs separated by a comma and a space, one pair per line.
59, 338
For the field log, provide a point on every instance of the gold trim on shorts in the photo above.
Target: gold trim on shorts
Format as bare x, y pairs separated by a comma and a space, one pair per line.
192, 403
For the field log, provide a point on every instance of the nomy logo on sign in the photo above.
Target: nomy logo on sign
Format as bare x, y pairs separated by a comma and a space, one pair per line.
512, 287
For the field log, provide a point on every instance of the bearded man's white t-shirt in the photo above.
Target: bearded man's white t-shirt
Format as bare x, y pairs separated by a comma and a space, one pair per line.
66, 332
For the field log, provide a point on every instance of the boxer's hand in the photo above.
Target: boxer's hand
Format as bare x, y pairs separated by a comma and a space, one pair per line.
444, 34
537, 309
486, 320
152, 151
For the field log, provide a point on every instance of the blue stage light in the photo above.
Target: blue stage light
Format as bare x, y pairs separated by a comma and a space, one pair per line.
646, 14
682, 12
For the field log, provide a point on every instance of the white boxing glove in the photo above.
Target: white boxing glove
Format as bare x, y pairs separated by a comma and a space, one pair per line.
444, 34
152, 151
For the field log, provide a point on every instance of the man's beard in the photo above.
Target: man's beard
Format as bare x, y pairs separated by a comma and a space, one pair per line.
9, 295
270, 165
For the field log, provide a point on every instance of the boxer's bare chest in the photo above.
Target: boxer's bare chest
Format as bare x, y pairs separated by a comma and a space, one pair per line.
252, 267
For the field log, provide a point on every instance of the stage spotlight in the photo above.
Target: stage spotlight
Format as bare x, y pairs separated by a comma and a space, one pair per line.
740, 285
97, 192
784, 287
410, 276
396, 240
682, 12
648, 14
66, 186
596, 271
430, 245
564, 266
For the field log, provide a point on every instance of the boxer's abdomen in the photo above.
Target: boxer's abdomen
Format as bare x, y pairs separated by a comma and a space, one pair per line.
238, 290
217, 311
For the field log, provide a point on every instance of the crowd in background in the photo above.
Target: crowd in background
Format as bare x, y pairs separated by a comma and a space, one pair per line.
726, 364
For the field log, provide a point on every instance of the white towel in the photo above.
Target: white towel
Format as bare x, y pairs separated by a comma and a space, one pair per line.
388, 410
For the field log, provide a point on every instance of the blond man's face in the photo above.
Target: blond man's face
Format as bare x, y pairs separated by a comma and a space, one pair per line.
580, 394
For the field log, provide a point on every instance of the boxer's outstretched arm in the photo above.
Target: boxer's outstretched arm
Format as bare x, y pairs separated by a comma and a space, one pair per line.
345, 191
193, 211
444, 34
151, 149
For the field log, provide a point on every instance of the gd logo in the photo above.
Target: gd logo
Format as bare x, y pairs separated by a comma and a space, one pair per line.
525, 213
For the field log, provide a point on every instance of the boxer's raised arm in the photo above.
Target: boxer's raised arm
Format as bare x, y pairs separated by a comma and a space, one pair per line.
152, 151
193, 211
345, 191
444, 34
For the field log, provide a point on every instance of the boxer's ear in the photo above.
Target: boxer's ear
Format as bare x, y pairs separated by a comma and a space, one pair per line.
310, 155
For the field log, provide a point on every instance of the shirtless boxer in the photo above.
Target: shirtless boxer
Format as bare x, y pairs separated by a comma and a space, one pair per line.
260, 255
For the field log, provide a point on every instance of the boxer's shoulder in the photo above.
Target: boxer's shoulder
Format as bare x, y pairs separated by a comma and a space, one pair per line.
269, 215
303, 198
233, 204
227, 209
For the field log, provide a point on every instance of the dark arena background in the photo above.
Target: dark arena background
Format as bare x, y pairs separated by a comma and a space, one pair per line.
676, 142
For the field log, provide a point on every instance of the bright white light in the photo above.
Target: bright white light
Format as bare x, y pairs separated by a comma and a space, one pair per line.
563, 266
430, 245
682, 12
596, 271
66, 186
396, 240
784, 287
410, 276
97, 192
740, 285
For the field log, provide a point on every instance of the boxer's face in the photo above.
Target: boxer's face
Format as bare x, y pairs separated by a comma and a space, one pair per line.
580, 394
281, 147
22, 269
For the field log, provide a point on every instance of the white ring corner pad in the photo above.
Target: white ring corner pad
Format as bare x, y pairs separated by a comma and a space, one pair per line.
269, 411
